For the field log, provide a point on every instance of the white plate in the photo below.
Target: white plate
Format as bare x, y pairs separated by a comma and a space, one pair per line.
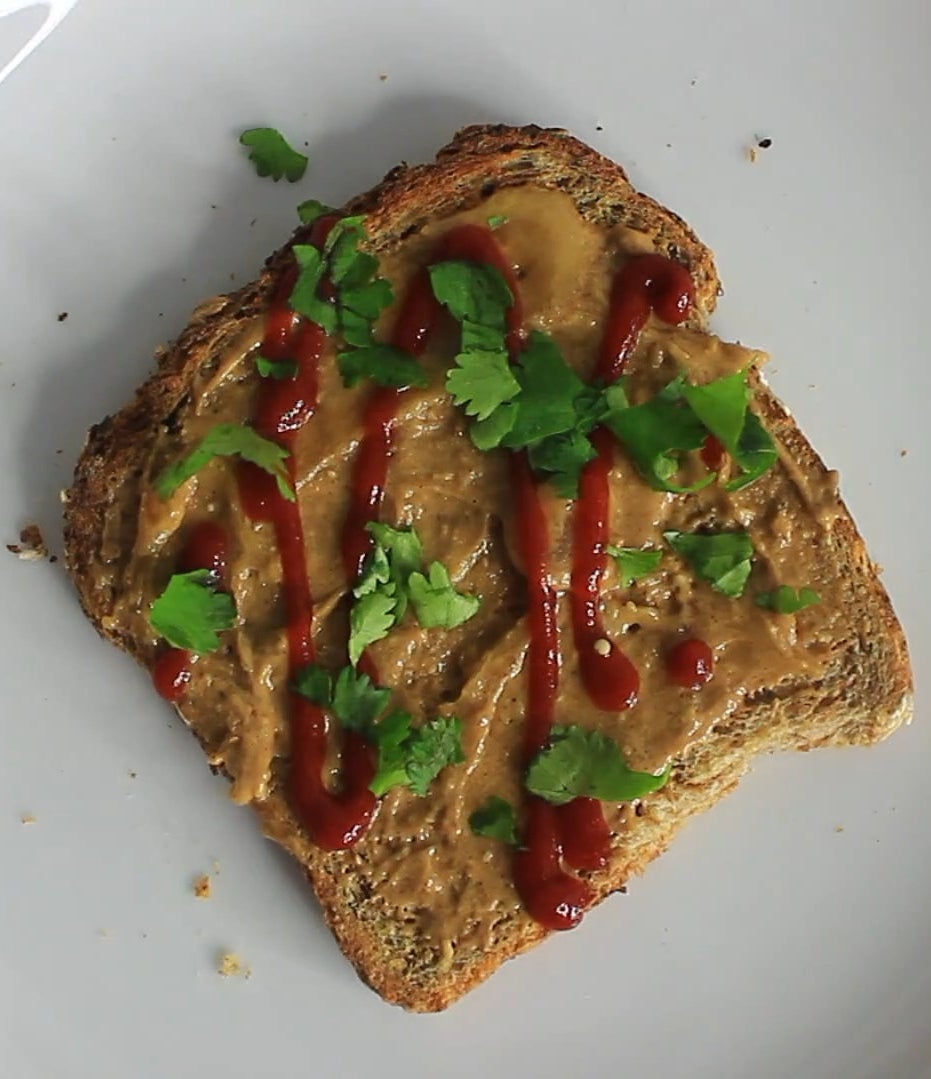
788, 932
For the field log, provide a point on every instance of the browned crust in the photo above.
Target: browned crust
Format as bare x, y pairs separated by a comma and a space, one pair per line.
868, 694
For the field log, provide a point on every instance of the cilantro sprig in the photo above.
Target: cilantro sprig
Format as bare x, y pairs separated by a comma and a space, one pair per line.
408, 756
788, 600
587, 764
678, 419
229, 440
634, 563
191, 613
338, 286
273, 155
392, 579
496, 819
723, 559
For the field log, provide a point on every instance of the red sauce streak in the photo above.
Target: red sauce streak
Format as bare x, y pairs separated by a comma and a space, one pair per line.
415, 324
690, 664
334, 820
204, 548
712, 453
644, 283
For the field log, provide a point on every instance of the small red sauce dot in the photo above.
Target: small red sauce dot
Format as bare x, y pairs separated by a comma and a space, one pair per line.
171, 673
691, 664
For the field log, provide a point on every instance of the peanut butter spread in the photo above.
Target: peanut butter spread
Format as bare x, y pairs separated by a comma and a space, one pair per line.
420, 856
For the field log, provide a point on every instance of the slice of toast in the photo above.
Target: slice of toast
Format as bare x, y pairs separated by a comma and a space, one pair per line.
422, 906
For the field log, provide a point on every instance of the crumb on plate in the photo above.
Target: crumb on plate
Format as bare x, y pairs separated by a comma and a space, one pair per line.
31, 546
203, 887
230, 965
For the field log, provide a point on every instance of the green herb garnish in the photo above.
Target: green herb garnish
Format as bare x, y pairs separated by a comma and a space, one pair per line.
384, 365
722, 559
634, 562
587, 764
496, 221
229, 440
311, 209
496, 819
279, 369
786, 600
391, 579
408, 756
272, 154
190, 613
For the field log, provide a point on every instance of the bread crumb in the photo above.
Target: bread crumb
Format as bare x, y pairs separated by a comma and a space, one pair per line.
203, 887
838, 827
903, 453
383, 78
230, 965
132, 774
62, 316
753, 154
31, 546
27, 818
216, 867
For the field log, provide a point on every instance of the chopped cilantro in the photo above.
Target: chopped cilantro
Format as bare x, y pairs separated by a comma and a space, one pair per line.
229, 440
391, 579
721, 558
496, 819
634, 562
472, 292
481, 382
371, 618
355, 700
786, 600
586, 764
408, 756
496, 221
311, 209
384, 365
272, 154
436, 602
190, 613
280, 369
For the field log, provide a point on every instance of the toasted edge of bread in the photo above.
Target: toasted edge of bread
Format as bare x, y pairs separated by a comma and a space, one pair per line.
867, 695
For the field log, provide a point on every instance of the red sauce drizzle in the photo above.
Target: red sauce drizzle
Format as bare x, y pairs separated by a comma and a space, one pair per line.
644, 283
204, 548
334, 820
691, 663
712, 453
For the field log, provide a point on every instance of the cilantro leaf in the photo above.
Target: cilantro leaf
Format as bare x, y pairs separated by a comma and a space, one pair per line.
481, 381
229, 440
280, 369
190, 613
655, 434
721, 558
391, 736
634, 562
472, 292
272, 154
311, 209
436, 602
353, 698
786, 600
549, 388
384, 365
370, 620
431, 748
756, 452
410, 756
396, 555
304, 298
496, 221
586, 764
721, 406
496, 819
562, 458
488, 433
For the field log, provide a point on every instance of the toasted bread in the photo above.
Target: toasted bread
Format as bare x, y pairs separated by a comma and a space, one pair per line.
422, 907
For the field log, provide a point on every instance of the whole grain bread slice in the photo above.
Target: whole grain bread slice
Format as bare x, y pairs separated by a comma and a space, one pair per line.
865, 695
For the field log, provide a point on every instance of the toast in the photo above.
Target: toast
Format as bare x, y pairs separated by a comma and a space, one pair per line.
802, 646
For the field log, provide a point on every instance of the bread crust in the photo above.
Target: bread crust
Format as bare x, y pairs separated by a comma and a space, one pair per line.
868, 694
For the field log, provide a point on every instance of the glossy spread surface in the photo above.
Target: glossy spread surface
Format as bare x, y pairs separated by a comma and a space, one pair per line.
419, 854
